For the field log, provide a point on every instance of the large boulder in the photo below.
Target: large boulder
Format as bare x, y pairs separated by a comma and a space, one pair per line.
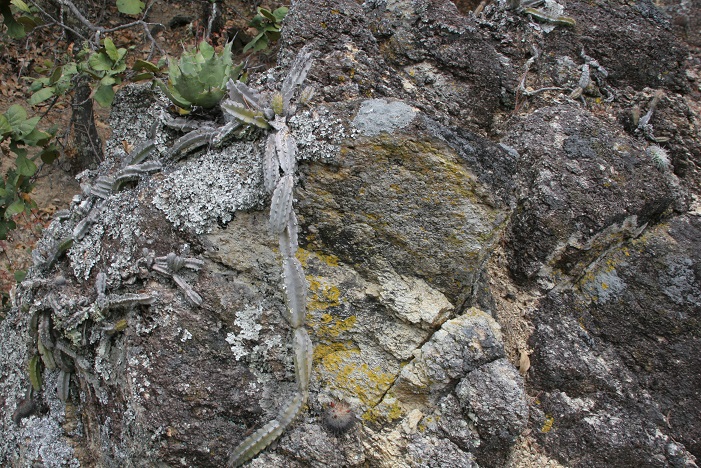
497, 271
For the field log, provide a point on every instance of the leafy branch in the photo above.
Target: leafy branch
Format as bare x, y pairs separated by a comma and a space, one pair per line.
18, 131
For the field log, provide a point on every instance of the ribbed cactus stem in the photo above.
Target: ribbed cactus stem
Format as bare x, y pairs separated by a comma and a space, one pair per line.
267, 434
280, 157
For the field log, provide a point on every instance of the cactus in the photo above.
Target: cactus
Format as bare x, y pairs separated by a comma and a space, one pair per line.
279, 165
200, 76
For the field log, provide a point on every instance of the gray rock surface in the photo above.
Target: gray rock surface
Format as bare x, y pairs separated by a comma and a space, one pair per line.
452, 223
635, 335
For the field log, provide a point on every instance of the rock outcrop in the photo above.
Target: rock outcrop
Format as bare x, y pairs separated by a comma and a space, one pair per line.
498, 272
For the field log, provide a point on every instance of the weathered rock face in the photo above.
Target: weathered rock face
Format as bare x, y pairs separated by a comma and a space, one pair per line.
628, 329
583, 188
435, 195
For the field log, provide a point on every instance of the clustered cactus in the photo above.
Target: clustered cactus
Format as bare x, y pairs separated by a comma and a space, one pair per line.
56, 319
659, 156
199, 77
267, 111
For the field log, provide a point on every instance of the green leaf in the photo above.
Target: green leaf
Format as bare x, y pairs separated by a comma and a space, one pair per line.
262, 44
25, 167
267, 14
5, 128
108, 80
100, 61
111, 49
34, 368
121, 52
246, 115
20, 275
104, 95
206, 50
280, 14
18, 151
273, 35
15, 116
41, 96
49, 154
21, 5
37, 138
37, 84
14, 29
174, 95
118, 67
255, 41
142, 76
29, 22
27, 127
30, 204
56, 75
130, 7
5, 227
144, 65
70, 69
15, 208
210, 98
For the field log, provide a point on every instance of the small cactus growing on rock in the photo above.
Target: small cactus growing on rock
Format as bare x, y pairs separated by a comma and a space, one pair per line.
200, 76
659, 156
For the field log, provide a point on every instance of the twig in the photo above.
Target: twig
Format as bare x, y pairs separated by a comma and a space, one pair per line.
60, 23
99, 30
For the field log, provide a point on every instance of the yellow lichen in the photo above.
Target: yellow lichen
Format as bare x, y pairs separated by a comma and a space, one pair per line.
304, 256
388, 410
330, 327
345, 373
323, 295
548, 424
322, 350
394, 411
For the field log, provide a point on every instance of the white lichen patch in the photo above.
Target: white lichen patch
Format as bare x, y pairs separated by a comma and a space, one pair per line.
186, 335
319, 134
211, 187
119, 221
35, 438
248, 320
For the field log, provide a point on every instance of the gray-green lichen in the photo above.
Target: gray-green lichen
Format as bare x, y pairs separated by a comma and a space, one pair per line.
35, 438
319, 133
209, 188
119, 221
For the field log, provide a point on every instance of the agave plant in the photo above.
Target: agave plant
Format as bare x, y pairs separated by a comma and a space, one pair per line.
200, 76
